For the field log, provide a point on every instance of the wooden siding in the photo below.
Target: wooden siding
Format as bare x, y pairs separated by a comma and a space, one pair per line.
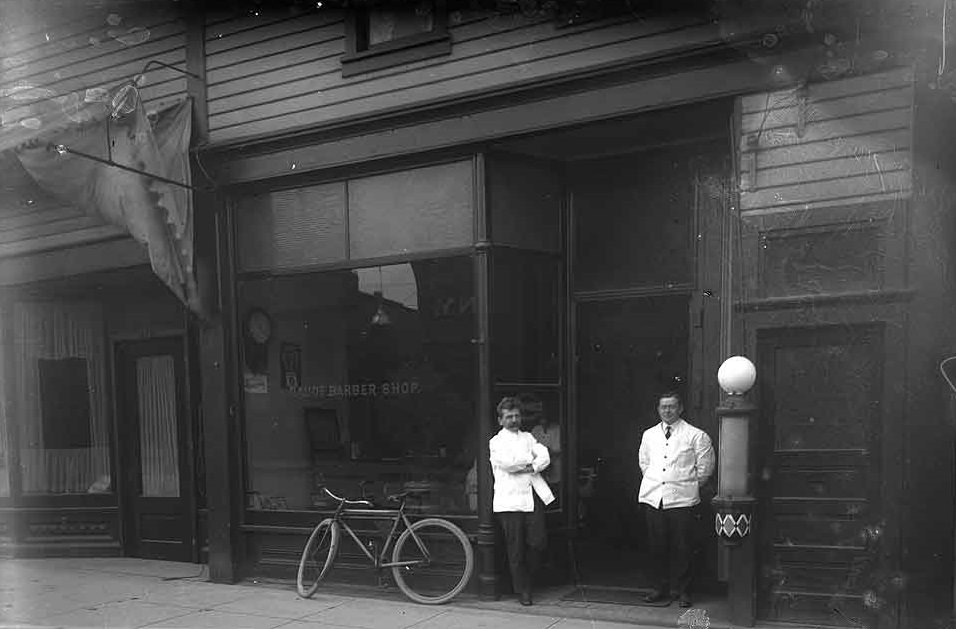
66, 53
853, 143
274, 73
60, 54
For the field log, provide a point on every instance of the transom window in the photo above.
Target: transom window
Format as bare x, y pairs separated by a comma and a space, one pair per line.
385, 35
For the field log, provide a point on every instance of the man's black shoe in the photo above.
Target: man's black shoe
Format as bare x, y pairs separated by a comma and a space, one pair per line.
656, 596
685, 600
525, 599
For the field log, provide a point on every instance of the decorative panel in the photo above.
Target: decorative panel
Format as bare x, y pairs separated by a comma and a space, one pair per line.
158, 527
834, 258
423, 209
68, 530
833, 142
295, 228
837, 250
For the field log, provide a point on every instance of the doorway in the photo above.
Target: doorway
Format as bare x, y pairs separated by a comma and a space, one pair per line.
628, 350
156, 475
634, 257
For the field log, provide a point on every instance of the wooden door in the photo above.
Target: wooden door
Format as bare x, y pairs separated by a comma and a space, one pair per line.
821, 529
629, 350
157, 476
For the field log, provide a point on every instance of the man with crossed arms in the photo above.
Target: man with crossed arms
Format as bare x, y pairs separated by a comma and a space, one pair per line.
676, 459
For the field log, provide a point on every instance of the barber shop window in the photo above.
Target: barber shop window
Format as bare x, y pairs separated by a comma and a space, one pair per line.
361, 380
386, 34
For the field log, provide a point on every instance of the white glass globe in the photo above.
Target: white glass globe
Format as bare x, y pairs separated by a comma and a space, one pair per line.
736, 375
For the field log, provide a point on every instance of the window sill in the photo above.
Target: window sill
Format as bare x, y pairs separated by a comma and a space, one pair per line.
396, 53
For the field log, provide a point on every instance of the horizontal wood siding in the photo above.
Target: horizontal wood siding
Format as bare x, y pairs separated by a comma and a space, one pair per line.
843, 141
270, 73
63, 53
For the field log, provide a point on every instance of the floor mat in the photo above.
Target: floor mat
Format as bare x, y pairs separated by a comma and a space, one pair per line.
619, 596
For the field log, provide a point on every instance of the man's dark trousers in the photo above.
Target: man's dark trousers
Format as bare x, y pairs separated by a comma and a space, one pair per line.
526, 537
671, 538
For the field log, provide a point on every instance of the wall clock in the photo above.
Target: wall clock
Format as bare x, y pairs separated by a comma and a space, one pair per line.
259, 326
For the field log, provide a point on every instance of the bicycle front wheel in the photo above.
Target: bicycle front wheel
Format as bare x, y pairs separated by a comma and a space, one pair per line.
437, 561
317, 557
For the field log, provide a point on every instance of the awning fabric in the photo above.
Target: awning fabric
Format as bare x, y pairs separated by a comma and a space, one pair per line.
155, 213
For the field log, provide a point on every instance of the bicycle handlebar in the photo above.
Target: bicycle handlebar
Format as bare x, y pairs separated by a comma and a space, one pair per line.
399, 497
367, 503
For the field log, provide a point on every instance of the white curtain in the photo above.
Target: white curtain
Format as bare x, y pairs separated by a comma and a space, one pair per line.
57, 330
158, 446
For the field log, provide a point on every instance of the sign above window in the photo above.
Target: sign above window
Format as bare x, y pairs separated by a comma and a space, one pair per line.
383, 35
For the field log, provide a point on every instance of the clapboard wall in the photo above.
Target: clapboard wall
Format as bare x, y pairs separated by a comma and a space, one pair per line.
825, 174
830, 143
60, 49
56, 52
275, 72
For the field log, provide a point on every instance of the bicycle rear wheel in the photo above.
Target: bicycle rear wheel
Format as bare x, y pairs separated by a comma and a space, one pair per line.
442, 561
317, 557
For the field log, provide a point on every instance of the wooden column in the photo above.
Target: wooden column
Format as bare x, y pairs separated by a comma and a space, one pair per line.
11, 425
222, 437
487, 574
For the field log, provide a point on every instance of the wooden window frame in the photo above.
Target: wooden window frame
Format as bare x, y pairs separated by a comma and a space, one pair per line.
360, 58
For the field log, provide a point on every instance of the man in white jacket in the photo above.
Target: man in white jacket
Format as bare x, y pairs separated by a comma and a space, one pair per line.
517, 460
676, 460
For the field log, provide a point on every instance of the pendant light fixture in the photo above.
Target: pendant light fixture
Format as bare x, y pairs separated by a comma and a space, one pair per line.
380, 318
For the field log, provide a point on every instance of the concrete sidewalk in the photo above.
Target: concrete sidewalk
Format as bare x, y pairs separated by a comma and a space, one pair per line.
131, 593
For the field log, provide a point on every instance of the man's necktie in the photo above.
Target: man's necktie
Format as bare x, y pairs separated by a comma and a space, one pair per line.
667, 432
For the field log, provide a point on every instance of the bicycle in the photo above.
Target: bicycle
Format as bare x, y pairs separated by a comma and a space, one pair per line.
432, 560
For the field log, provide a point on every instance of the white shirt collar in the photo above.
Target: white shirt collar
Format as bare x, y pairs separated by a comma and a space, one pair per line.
675, 426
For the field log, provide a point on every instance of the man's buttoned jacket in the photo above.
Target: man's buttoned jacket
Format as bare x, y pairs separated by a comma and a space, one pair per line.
674, 468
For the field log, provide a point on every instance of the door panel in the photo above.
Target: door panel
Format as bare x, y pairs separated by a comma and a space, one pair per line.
157, 475
820, 535
629, 350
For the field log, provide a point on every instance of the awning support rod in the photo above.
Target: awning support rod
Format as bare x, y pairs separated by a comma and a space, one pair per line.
63, 149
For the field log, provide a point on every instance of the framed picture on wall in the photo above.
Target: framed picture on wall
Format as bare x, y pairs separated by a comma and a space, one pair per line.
290, 362
323, 429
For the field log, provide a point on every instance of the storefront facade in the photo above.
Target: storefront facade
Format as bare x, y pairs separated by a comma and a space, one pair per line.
402, 235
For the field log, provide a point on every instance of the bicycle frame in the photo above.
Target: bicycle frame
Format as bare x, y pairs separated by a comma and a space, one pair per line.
397, 517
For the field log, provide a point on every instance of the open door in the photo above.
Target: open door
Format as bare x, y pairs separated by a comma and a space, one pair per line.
153, 425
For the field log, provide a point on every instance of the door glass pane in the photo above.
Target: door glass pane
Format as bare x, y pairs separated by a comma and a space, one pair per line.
159, 451
634, 220
525, 316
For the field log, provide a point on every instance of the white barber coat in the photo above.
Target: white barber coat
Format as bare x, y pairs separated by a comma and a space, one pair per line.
675, 468
511, 452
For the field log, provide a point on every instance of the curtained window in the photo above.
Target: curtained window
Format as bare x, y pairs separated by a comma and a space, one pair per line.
158, 447
61, 397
